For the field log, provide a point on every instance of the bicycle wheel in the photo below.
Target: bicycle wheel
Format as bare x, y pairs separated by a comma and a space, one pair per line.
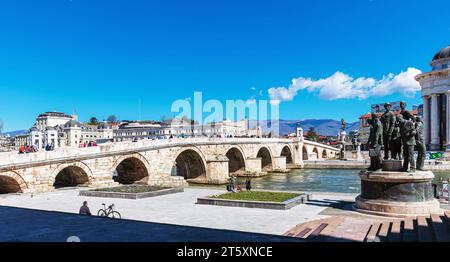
101, 213
115, 214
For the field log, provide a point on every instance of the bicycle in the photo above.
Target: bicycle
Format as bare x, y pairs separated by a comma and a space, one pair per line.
108, 212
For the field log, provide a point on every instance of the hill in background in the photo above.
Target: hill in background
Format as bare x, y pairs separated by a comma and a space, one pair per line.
325, 127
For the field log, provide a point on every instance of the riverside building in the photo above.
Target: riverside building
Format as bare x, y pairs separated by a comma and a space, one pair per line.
436, 101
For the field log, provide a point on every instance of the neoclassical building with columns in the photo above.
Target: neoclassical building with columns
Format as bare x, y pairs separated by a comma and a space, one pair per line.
436, 101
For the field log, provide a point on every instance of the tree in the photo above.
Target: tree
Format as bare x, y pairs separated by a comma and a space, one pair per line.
312, 135
93, 121
112, 119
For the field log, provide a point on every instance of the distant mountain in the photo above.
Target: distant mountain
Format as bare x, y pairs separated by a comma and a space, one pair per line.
325, 127
15, 133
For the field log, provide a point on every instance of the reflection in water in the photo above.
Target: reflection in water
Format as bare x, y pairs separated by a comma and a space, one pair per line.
320, 180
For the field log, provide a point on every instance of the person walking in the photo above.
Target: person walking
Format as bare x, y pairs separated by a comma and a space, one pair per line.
248, 184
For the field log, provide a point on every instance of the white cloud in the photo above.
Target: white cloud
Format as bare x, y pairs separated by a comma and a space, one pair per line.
342, 86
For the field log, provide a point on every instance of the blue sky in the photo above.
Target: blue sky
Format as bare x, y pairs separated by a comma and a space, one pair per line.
102, 57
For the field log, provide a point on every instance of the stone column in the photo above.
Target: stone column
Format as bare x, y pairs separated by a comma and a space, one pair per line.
434, 118
298, 156
426, 119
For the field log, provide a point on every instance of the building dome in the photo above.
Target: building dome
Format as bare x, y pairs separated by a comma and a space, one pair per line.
73, 123
442, 54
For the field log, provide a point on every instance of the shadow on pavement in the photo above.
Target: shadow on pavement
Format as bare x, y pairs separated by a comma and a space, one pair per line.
30, 225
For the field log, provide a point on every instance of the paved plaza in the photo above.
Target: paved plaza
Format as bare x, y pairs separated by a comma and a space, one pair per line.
28, 225
175, 209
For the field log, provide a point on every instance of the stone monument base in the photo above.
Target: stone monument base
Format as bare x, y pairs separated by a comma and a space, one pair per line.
392, 165
393, 209
397, 194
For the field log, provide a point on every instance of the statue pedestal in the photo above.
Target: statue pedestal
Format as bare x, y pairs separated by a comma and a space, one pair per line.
393, 165
397, 194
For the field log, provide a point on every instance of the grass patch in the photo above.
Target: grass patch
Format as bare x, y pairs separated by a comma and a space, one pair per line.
261, 196
131, 189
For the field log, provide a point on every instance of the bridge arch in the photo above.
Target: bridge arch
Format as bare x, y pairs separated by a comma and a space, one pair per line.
316, 151
236, 160
266, 158
71, 175
324, 154
190, 163
131, 169
287, 152
305, 154
11, 182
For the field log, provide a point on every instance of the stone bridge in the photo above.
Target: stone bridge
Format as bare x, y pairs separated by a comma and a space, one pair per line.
155, 162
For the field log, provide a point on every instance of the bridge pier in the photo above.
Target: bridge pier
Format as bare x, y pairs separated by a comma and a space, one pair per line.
217, 170
253, 166
167, 181
279, 164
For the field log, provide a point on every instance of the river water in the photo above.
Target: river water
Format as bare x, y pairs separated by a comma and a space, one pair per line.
317, 180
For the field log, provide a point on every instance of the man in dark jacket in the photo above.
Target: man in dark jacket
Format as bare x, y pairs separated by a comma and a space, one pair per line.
84, 209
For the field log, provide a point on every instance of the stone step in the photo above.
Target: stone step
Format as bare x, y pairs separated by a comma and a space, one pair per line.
424, 234
373, 232
395, 234
314, 236
384, 231
302, 233
439, 228
314, 227
328, 233
342, 229
409, 233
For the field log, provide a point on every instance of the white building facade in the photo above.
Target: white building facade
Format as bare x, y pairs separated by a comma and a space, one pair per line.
155, 130
436, 101
60, 130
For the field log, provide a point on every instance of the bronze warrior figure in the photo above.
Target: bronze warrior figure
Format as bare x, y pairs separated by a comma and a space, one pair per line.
375, 143
388, 120
420, 142
408, 132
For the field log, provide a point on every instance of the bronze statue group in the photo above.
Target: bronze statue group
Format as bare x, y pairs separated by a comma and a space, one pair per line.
399, 135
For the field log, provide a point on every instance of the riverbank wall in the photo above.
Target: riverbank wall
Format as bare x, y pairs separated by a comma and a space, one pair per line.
432, 165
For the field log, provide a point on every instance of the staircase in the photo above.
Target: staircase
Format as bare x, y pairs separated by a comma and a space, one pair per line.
434, 228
